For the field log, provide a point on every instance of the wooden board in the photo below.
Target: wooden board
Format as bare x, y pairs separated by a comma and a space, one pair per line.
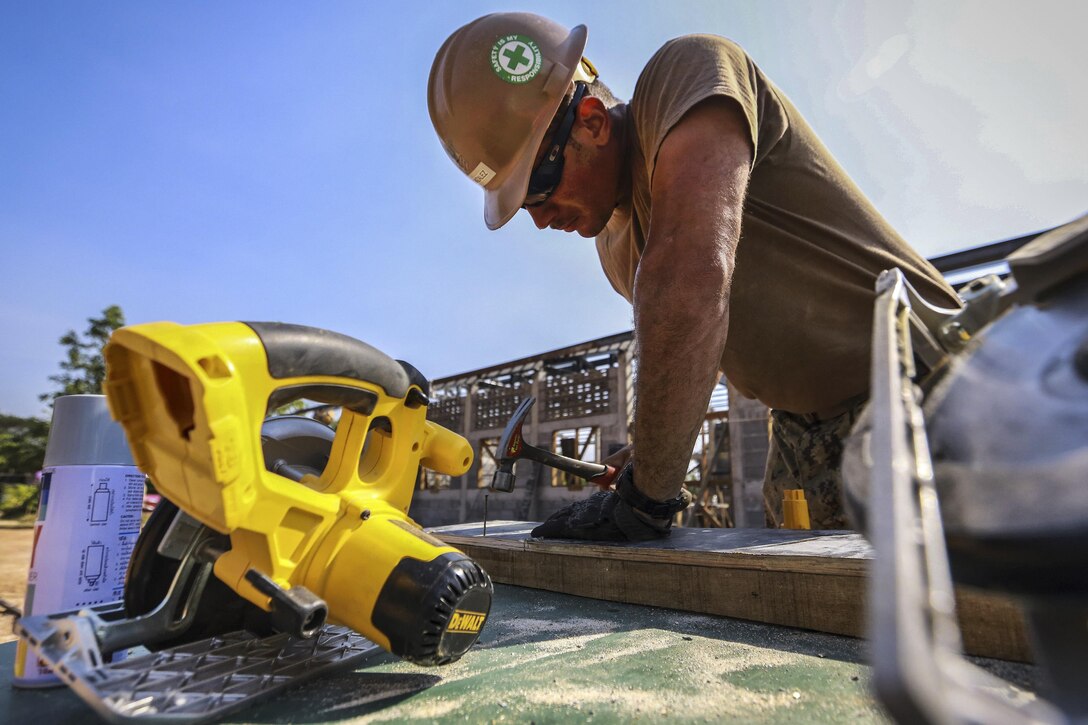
809, 579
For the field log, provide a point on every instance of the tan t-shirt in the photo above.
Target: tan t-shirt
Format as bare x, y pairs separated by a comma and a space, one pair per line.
811, 244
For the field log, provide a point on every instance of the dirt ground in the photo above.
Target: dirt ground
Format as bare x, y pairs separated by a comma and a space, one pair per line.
15, 546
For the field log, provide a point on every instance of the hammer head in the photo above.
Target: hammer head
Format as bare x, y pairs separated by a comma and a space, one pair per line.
511, 448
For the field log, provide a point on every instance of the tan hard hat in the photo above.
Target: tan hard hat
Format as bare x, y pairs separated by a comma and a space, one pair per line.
495, 85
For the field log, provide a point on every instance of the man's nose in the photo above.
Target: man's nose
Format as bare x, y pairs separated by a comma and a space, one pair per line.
542, 215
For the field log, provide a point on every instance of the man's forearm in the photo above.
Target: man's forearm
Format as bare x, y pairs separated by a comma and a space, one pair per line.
681, 319
681, 293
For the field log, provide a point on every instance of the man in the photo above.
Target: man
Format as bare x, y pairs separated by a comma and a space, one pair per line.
743, 246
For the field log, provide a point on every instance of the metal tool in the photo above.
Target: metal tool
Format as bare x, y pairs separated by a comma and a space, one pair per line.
264, 529
980, 482
512, 447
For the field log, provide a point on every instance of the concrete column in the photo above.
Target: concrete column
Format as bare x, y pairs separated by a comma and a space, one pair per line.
469, 479
531, 474
748, 444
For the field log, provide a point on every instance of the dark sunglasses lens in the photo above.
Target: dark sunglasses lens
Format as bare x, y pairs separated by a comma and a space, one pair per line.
547, 175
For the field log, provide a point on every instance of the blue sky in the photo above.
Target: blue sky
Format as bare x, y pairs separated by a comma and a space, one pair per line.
206, 161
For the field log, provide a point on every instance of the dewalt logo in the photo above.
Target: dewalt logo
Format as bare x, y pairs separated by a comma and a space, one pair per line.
466, 622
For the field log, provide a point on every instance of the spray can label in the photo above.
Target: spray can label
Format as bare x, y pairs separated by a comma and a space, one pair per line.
88, 521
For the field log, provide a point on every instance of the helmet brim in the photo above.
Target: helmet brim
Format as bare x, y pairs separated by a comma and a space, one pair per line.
503, 202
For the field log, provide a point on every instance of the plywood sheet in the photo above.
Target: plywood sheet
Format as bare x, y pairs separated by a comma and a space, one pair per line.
808, 579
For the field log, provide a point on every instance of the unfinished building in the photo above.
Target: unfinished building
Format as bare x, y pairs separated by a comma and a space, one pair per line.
584, 403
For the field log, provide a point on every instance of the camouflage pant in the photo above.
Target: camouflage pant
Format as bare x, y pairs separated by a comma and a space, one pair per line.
806, 453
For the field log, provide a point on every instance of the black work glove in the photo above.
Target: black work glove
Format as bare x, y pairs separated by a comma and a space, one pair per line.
604, 516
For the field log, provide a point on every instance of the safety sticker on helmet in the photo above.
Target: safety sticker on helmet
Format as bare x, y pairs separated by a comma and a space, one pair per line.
482, 174
516, 58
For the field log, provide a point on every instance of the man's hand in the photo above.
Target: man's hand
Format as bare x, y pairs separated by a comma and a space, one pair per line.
625, 514
604, 516
620, 458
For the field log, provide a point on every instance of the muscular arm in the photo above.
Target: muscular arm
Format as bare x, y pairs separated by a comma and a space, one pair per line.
681, 295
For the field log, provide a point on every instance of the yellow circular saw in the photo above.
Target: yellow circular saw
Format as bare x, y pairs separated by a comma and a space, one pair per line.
301, 525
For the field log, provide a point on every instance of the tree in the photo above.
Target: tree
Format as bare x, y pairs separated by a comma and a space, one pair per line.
22, 451
22, 444
84, 367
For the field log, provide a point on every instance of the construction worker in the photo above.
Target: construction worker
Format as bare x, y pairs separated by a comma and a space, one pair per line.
718, 213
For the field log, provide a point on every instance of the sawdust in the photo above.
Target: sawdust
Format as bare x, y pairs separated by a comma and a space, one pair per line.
705, 663
579, 699
704, 654
724, 700
630, 644
523, 627
678, 654
430, 709
709, 655
523, 656
564, 645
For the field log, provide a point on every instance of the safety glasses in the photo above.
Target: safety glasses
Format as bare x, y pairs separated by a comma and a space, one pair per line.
549, 172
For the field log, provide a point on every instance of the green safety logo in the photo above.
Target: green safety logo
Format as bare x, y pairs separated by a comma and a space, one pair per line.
516, 58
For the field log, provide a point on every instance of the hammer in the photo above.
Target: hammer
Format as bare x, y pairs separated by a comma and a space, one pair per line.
512, 447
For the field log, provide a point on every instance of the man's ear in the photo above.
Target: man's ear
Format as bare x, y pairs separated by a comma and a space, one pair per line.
594, 121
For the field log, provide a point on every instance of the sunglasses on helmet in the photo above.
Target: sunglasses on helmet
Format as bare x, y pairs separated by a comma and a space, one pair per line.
549, 172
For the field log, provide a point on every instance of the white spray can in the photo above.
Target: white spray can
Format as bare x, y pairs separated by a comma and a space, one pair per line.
88, 520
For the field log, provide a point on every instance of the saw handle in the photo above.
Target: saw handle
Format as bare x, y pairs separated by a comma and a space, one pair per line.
357, 400
298, 351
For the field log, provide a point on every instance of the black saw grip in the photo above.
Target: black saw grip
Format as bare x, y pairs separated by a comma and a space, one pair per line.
296, 351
